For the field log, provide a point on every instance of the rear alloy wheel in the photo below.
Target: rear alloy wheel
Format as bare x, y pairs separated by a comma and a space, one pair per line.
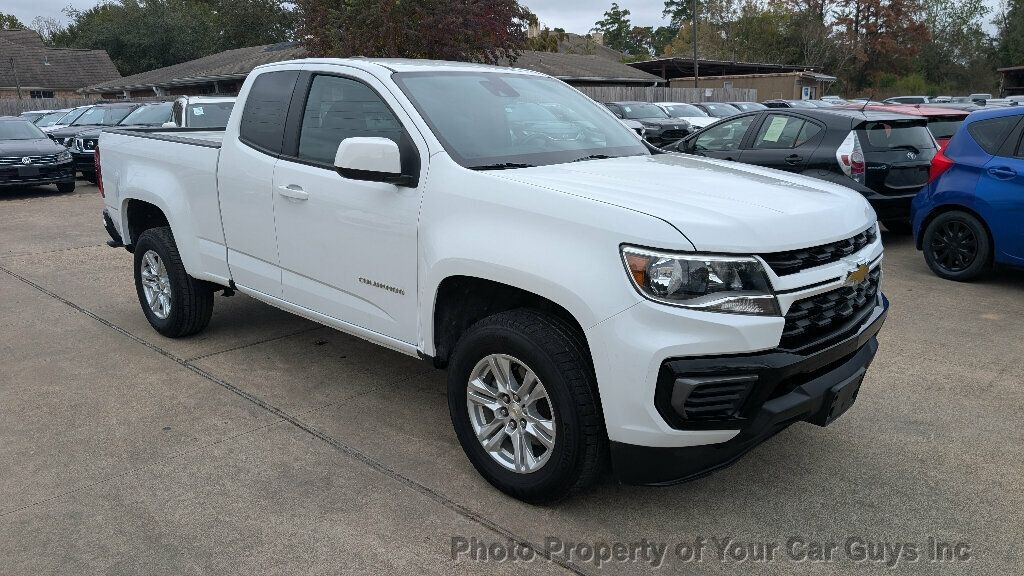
956, 246
175, 303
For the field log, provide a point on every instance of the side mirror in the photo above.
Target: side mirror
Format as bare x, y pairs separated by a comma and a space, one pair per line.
371, 160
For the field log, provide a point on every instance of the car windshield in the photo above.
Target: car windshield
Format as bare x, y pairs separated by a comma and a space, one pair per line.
748, 106
909, 135
149, 115
74, 115
640, 111
103, 116
20, 130
720, 110
494, 120
31, 116
51, 118
944, 127
209, 114
683, 111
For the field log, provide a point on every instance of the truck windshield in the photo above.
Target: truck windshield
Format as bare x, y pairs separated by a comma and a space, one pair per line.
493, 120
209, 114
149, 115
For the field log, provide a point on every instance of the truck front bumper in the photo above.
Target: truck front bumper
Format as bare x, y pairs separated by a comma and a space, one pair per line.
782, 388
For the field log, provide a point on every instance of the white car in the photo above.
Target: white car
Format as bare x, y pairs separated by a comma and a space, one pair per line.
201, 111
695, 116
589, 295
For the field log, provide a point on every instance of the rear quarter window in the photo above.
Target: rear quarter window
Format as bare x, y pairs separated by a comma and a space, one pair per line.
990, 134
944, 127
266, 109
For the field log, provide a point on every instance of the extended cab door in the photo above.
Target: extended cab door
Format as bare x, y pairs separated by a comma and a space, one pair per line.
348, 247
245, 177
783, 141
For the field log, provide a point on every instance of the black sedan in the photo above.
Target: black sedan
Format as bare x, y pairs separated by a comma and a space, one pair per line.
29, 158
659, 128
882, 155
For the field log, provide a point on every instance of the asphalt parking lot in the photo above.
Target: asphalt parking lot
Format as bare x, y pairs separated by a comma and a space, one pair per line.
271, 445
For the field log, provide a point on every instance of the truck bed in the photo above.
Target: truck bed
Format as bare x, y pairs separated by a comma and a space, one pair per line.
212, 137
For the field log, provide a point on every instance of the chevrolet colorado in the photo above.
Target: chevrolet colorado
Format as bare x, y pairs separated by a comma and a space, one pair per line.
592, 297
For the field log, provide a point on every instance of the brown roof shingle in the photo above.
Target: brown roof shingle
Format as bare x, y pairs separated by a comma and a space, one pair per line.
38, 66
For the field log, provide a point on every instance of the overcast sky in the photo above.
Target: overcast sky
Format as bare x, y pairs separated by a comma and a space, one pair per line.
572, 15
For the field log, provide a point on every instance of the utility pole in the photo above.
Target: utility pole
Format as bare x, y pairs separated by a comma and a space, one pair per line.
696, 72
17, 83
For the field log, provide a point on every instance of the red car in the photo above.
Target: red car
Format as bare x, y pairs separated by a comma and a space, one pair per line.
943, 122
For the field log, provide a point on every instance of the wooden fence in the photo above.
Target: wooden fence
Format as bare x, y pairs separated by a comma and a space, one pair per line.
674, 94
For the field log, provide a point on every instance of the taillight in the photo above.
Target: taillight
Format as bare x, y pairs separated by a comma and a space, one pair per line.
96, 167
940, 163
851, 158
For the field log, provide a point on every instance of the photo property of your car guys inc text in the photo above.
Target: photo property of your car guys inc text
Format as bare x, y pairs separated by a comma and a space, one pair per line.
511, 287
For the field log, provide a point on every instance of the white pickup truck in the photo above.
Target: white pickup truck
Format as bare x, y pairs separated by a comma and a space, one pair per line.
592, 297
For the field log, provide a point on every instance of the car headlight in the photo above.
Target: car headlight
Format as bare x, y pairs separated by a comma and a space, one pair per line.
68, 142
64, 156
78, 145
732, 284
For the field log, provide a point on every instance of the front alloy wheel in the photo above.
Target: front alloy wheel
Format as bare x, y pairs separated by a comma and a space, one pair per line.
511, 413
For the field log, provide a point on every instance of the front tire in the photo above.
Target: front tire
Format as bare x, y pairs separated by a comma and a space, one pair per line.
175, 303
525, 407
957, 247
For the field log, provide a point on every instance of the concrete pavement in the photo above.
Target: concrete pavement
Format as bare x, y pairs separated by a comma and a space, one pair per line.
271, 445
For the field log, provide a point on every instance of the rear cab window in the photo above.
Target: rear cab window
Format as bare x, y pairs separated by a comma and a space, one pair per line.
266, 109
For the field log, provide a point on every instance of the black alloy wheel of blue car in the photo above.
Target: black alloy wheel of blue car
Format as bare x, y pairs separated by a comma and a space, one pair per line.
957, 246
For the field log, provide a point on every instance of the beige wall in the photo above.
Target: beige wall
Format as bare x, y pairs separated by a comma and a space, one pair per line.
768, 86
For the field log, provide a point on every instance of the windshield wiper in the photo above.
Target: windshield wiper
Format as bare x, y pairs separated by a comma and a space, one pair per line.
501, 166
913, 149
594, 157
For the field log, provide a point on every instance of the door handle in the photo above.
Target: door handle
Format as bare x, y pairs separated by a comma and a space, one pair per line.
294, 192
794, 159
1003, 173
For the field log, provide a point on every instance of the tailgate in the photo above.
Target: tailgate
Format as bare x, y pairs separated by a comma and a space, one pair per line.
897, 154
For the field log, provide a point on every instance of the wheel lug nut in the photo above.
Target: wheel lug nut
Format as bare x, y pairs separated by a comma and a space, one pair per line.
503, 412
512, 424
515, 397
523, 423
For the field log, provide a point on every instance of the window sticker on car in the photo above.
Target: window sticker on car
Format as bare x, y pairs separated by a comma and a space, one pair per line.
627, 108
197, 110
775, 129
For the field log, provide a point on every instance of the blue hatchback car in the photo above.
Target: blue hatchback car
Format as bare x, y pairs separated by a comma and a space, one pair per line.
971, 214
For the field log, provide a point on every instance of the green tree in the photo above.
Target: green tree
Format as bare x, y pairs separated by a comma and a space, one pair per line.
617, 29
446, 29
958, 54
187, 29
1010, 37
9, 22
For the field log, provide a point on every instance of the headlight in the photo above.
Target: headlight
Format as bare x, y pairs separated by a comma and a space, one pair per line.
78, 145
64, 156
68, 142
732, 284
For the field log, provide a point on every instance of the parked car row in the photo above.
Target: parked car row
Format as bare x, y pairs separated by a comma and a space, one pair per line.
77, 130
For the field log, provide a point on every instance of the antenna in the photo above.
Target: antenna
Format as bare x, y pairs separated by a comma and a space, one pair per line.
871, 96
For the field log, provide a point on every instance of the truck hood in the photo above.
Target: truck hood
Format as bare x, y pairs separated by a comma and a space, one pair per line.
719, 206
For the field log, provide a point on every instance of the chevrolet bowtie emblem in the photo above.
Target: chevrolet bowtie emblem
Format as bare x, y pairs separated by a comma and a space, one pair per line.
857, 275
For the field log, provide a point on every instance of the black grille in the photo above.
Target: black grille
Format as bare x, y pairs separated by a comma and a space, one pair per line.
711, 397
793, 261
674, 134
830, 315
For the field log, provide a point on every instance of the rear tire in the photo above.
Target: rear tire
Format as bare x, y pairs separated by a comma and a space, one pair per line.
175, 303
957, 247
66, 187
529, 342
